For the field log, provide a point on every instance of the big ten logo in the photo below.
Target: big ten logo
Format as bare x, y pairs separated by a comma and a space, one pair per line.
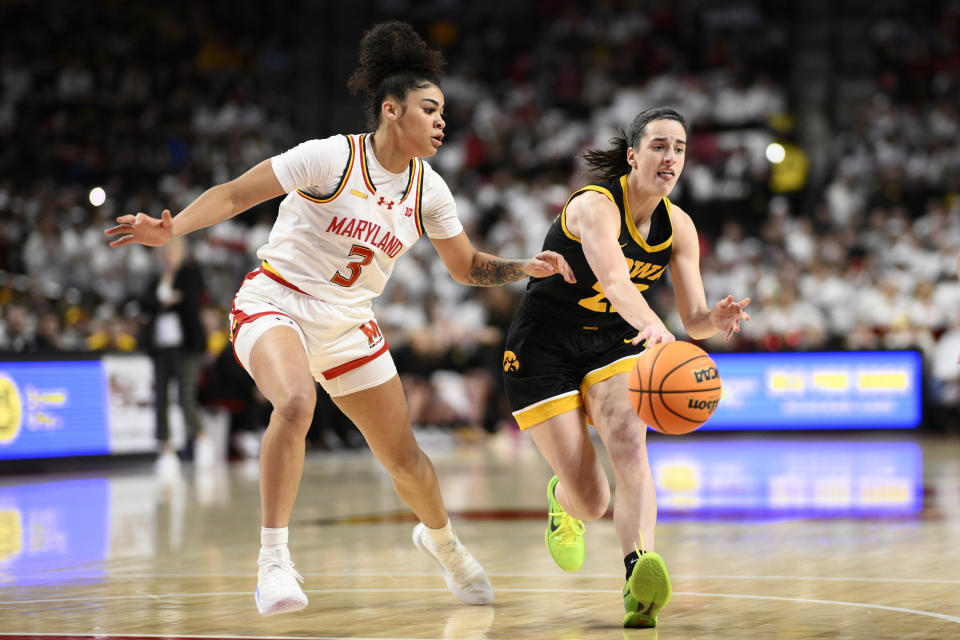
11, 534
11, 410
700, 405
703, 375
510, 362
372, 331
407, 212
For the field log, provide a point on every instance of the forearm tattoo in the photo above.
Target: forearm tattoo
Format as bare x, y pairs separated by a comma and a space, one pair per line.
493, 272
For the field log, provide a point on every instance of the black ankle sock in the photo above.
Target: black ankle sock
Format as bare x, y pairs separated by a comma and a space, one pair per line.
630, 560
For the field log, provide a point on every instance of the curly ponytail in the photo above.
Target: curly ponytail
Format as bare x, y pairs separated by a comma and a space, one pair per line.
393, 60
609, 164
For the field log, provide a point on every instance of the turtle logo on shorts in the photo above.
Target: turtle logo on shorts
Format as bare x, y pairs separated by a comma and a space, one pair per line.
510, 362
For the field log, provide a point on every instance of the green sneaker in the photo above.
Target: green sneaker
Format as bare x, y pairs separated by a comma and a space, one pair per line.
564, 534
646, 592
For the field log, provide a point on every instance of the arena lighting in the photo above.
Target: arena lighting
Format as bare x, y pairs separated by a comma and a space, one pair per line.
775, 152
98, 196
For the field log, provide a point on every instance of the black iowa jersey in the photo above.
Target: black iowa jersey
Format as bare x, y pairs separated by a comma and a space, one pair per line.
584, 304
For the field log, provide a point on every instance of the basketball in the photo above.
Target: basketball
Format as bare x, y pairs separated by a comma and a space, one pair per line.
674, 387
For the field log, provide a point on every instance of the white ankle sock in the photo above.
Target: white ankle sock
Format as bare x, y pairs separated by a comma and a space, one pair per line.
272, 538
443, 535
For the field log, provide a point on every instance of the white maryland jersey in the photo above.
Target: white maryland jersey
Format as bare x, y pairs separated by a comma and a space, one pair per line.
346, 219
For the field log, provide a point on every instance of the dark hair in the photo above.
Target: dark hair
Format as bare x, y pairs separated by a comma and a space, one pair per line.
607, 164
393, 60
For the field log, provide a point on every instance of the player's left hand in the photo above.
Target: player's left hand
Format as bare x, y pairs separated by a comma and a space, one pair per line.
727, 314
547, 263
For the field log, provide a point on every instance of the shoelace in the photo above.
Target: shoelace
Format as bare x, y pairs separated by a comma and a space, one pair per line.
272, 577
641, 549
569, 530
457, 561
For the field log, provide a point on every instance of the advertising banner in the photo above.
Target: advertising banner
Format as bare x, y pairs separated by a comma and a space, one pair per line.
825, 390
51, 409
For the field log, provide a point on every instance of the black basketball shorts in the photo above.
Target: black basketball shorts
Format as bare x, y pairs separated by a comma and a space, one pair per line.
549, 365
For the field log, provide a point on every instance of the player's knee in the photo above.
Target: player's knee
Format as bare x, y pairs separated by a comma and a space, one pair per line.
628, 443
295, 408
406, 463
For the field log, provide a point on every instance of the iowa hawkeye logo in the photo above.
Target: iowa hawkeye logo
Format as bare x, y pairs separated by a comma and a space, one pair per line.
510, 362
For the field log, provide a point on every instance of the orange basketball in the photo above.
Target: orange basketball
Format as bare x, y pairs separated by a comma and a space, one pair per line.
674, 387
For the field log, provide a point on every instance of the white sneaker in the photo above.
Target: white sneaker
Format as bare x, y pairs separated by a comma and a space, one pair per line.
167, 464
204, 452
464, 575
278, 588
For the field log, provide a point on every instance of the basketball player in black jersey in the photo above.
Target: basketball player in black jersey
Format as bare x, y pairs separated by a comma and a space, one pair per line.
571, 346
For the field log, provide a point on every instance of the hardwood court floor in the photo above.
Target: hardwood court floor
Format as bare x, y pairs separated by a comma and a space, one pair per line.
851, 536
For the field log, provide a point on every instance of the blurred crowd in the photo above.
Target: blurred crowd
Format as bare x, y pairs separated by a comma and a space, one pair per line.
849, 243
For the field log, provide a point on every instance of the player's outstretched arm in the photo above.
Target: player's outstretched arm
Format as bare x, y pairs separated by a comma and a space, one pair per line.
214, 205
467, 265
699, 320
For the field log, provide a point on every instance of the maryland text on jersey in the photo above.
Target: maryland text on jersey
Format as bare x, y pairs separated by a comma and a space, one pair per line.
368, 232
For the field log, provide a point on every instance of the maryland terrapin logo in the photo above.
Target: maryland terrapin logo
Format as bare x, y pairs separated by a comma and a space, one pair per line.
11, 412
510, 362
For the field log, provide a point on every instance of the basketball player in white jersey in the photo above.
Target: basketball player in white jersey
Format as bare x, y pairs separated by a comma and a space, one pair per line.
355, 204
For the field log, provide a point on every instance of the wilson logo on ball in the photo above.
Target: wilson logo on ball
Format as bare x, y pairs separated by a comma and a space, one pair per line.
709, 405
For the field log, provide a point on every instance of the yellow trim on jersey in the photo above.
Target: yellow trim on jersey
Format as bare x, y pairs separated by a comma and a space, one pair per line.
269, 267
546, 409
366, 170
418, 207
632, 226
563, 212
413, 174
343, 179
363, 165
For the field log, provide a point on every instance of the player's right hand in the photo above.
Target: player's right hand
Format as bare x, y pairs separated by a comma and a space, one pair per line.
142, 229
654, 334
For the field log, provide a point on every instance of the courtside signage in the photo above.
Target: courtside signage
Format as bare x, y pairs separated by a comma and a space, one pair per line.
823, 390
53, 409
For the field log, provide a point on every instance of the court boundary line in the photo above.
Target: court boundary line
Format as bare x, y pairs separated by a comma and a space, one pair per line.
930, 614
417, 574
180, 636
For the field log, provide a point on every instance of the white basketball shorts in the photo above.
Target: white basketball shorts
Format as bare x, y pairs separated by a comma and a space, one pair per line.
345, 349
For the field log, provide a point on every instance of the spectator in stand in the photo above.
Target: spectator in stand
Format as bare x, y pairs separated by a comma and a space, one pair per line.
19, 332
49, 334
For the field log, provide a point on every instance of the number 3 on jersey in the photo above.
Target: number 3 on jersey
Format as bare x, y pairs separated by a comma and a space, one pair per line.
366, 257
